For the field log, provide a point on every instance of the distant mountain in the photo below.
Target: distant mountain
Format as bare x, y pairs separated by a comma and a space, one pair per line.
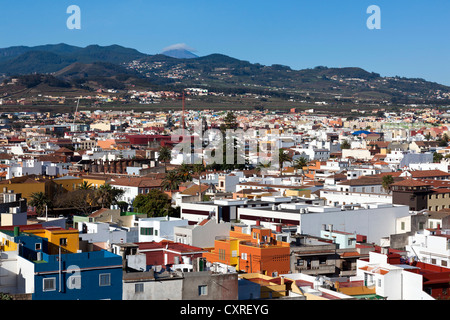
52, 58
35, 62
176, 68
179, 54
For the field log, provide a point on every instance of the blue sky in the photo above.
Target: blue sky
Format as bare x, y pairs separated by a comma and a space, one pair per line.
414, 39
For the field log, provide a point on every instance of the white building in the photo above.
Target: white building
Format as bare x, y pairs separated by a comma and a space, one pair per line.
356, 191
377, 220
394, 282
159, 228
97, 232
361, 154
430, 246
34, 167
203, 234
225, 209
336, 197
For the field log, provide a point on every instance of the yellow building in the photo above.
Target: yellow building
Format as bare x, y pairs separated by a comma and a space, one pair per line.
298, 193
68, 239
68, 183
7, 240
27, 185
95, 181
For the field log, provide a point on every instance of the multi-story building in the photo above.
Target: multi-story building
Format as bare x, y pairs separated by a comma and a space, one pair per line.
202, 234
227, 209
421, 194
394, 281
159, 228
375, 220
132, 187
430, 246
251, 249
30, 266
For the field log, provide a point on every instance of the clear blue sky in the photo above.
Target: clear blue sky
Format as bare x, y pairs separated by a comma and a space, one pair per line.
414, 40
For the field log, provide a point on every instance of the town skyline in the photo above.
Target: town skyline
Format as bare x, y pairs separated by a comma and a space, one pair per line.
224, 156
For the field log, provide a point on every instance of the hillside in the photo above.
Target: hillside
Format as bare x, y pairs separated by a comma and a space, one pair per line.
119, 67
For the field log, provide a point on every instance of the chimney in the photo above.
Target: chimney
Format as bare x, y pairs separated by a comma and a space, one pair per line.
278, 228
258, 222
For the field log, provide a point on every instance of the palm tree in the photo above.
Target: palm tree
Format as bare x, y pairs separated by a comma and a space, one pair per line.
85, 186
171, 181
107, 195
165, 155
299, 163
184, 171
260, 166
386, 183
40, 201
282, 158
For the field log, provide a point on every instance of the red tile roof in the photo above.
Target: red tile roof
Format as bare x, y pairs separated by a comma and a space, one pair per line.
411, 183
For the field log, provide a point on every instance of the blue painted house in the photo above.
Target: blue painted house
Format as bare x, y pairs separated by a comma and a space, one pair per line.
93, 275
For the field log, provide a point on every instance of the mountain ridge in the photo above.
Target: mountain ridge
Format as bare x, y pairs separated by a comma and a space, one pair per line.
215, 72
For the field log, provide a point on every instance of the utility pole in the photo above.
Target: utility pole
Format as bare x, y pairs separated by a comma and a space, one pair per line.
182, 113
76, 111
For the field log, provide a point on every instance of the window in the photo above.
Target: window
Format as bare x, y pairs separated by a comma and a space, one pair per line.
433, 261
104, 279
63, 242
49, 284
202, 290
444, 263
403, 225
139, 288
37, 246
222, 254
379, 282
243, 256
147, 231
75, 282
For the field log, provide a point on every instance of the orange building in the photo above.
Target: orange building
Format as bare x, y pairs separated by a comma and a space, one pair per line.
115, 144
254, 252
